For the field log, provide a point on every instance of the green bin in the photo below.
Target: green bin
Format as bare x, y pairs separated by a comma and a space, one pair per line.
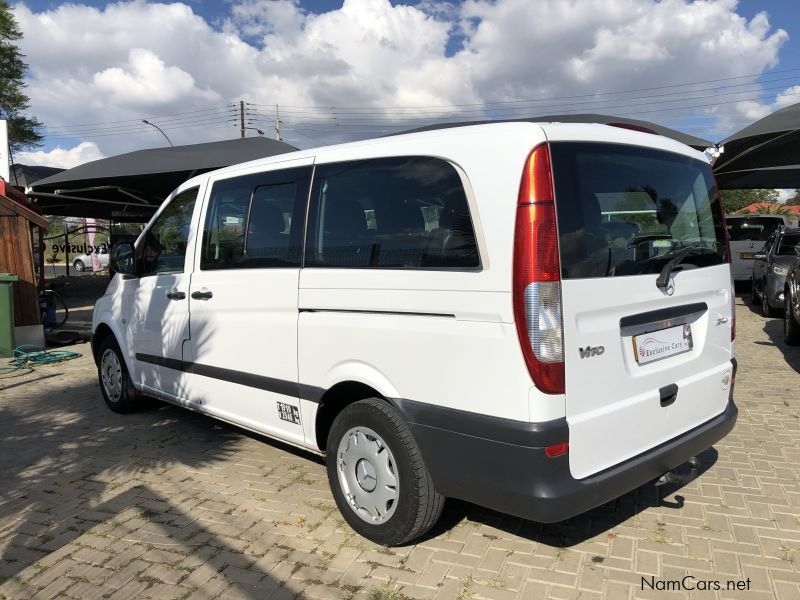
7, 314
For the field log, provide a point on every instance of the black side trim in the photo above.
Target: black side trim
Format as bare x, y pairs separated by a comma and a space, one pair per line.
161, 361
261, 382
496, 429
377, 312
663, 314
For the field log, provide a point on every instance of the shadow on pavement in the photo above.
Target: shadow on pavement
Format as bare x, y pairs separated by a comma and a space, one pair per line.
57, 480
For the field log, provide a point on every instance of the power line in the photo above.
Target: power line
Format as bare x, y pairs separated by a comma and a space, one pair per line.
172, 121
335, 116
662, 87
405, 123
227, 106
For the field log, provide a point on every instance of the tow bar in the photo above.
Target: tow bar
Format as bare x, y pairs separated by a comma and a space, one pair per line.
674, 477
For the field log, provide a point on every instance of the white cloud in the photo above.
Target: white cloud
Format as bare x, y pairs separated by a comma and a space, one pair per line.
136, 59
61, 157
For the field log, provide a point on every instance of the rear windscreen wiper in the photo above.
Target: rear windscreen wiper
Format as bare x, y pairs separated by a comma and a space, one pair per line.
663, 278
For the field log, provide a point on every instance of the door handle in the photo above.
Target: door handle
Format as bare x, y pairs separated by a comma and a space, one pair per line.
176, 295
202, 295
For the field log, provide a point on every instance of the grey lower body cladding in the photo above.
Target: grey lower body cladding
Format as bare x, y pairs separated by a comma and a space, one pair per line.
502, 465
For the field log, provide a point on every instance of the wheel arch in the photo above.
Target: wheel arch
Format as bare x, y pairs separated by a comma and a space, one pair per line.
335, 399
101, 332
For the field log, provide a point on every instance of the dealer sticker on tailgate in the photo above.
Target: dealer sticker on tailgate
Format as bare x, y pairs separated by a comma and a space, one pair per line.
664, 343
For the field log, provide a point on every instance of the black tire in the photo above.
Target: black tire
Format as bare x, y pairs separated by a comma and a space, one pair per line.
129, 398
766, 309
754, 297
418, 506
79, 266
791, 328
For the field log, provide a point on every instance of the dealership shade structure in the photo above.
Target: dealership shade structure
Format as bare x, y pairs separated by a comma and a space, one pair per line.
132, 186
765, 154
684, 138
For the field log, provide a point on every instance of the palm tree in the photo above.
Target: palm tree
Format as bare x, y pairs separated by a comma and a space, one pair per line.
767, 208
773, 209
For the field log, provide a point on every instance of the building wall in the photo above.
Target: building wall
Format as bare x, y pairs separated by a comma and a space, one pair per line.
16, 257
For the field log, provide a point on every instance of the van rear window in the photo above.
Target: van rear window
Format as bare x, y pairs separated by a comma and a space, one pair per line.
626, 210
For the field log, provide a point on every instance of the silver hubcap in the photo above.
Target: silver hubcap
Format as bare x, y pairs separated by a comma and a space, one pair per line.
367, 474
111, 375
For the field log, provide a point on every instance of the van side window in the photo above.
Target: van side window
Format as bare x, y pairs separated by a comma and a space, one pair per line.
255, 221
163, 248
407, 212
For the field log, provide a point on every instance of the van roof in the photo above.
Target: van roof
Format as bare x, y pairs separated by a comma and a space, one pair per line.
555, 131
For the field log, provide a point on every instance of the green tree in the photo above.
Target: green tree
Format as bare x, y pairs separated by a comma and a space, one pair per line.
23, 132
737, 199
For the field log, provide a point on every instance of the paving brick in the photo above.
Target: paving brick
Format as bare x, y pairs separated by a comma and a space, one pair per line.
165, 503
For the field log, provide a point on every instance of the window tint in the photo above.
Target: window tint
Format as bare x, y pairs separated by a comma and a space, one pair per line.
755, 229
787, 244
163, 248
390, 213
255, 221
625, 210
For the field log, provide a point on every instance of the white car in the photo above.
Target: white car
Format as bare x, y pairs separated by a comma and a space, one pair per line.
84, 261
443, 314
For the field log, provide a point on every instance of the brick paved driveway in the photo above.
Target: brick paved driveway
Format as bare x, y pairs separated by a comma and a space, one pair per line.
169, 504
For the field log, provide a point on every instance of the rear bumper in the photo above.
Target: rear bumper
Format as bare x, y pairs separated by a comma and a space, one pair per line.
508, 471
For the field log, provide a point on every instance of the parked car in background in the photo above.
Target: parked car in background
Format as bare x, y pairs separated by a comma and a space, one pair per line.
791, 302
84, 261
770, 267
747, 234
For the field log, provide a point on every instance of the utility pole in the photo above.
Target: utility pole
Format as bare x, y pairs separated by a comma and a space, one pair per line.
241, 116
277, 123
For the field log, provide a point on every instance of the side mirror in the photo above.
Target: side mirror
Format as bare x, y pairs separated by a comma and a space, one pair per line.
760, 255
122, 258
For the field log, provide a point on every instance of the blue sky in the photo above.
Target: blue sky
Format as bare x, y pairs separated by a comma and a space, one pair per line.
104, 68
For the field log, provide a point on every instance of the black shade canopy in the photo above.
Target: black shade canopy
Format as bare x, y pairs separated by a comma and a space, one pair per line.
133, 185
25, 175
685, 138
765, 154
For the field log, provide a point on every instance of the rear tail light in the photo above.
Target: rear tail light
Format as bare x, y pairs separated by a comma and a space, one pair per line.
537, 275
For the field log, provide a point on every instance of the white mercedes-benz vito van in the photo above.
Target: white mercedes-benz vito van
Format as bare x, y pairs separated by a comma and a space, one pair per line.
534, 317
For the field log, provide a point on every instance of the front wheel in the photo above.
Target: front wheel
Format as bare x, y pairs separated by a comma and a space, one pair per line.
377, 474
766, 309
754, 299
791, 328
79, 266
115, 381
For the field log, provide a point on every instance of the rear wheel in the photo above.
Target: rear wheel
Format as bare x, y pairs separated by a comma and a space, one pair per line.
377, 475
791, 328
78, 264
115, 381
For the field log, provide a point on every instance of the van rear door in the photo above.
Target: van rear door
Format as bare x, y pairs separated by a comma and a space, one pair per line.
643, 363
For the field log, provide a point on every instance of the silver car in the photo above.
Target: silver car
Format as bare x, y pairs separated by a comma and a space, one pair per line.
84, 261
770, 267
747, 235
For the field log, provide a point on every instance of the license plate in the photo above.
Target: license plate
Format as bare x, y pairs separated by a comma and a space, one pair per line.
746, 255
653, 346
